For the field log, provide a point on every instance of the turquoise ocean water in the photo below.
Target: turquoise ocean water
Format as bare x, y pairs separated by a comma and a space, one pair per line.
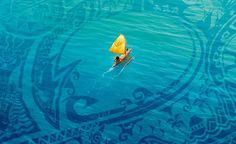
57, 84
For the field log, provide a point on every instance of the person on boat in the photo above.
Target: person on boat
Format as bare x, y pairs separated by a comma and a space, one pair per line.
119, 59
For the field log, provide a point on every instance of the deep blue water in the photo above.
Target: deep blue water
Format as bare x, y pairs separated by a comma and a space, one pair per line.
57, 85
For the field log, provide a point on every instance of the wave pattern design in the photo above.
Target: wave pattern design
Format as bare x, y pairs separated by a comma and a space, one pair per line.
55, 87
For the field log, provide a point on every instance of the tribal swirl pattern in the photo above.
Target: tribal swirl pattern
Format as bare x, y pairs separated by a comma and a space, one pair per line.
39, 94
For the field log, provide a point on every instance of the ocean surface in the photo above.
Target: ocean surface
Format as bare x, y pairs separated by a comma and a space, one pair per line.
57, 84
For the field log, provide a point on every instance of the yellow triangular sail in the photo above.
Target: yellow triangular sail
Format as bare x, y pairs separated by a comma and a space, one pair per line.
119, 45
